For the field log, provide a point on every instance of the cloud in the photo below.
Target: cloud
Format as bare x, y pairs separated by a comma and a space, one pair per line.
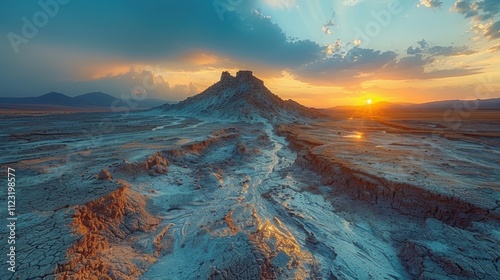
351, 2
164, 29
193, 35
281, 4
489, 30
479, 9
412, 50
341, 69
465, 7
495, 48
133, 81
493, 32
430, 3
415, 68
136, 33
339, 48
423, 44
450, 50
334, 48
424, 48
359, 65
482, 14
327, 27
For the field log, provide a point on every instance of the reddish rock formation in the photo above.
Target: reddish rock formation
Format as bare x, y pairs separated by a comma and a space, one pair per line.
112, 228
104, 175
243, 97
156, 164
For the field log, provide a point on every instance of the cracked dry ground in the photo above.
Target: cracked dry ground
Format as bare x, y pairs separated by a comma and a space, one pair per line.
232, 201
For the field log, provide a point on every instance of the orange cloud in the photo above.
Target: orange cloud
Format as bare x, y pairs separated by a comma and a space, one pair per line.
200, 58
102, 71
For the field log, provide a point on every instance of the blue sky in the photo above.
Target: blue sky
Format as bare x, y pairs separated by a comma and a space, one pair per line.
320, 53
302, 20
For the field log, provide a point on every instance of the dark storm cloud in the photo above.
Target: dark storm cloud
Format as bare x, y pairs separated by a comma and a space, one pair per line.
162, 29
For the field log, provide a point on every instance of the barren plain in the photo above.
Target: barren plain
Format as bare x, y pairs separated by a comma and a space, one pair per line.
170, 194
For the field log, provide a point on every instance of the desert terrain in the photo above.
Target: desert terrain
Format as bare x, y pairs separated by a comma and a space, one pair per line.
235, 183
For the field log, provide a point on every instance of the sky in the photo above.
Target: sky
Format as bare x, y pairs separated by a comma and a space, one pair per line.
321, 53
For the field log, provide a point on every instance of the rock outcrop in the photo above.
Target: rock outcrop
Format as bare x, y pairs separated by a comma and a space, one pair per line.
243, 97
104, 175
156, 164
118, 239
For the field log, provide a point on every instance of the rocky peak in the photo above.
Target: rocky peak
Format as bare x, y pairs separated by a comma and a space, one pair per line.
242, 97
242, 76
226, 77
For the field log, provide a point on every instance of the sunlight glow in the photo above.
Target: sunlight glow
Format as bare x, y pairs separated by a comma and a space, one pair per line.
356, 135
368, 101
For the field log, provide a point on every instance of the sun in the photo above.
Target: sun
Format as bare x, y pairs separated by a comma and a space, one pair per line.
368, 101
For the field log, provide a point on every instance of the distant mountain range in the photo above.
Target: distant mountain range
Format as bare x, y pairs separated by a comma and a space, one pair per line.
243, 96
477, 104
88, 100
